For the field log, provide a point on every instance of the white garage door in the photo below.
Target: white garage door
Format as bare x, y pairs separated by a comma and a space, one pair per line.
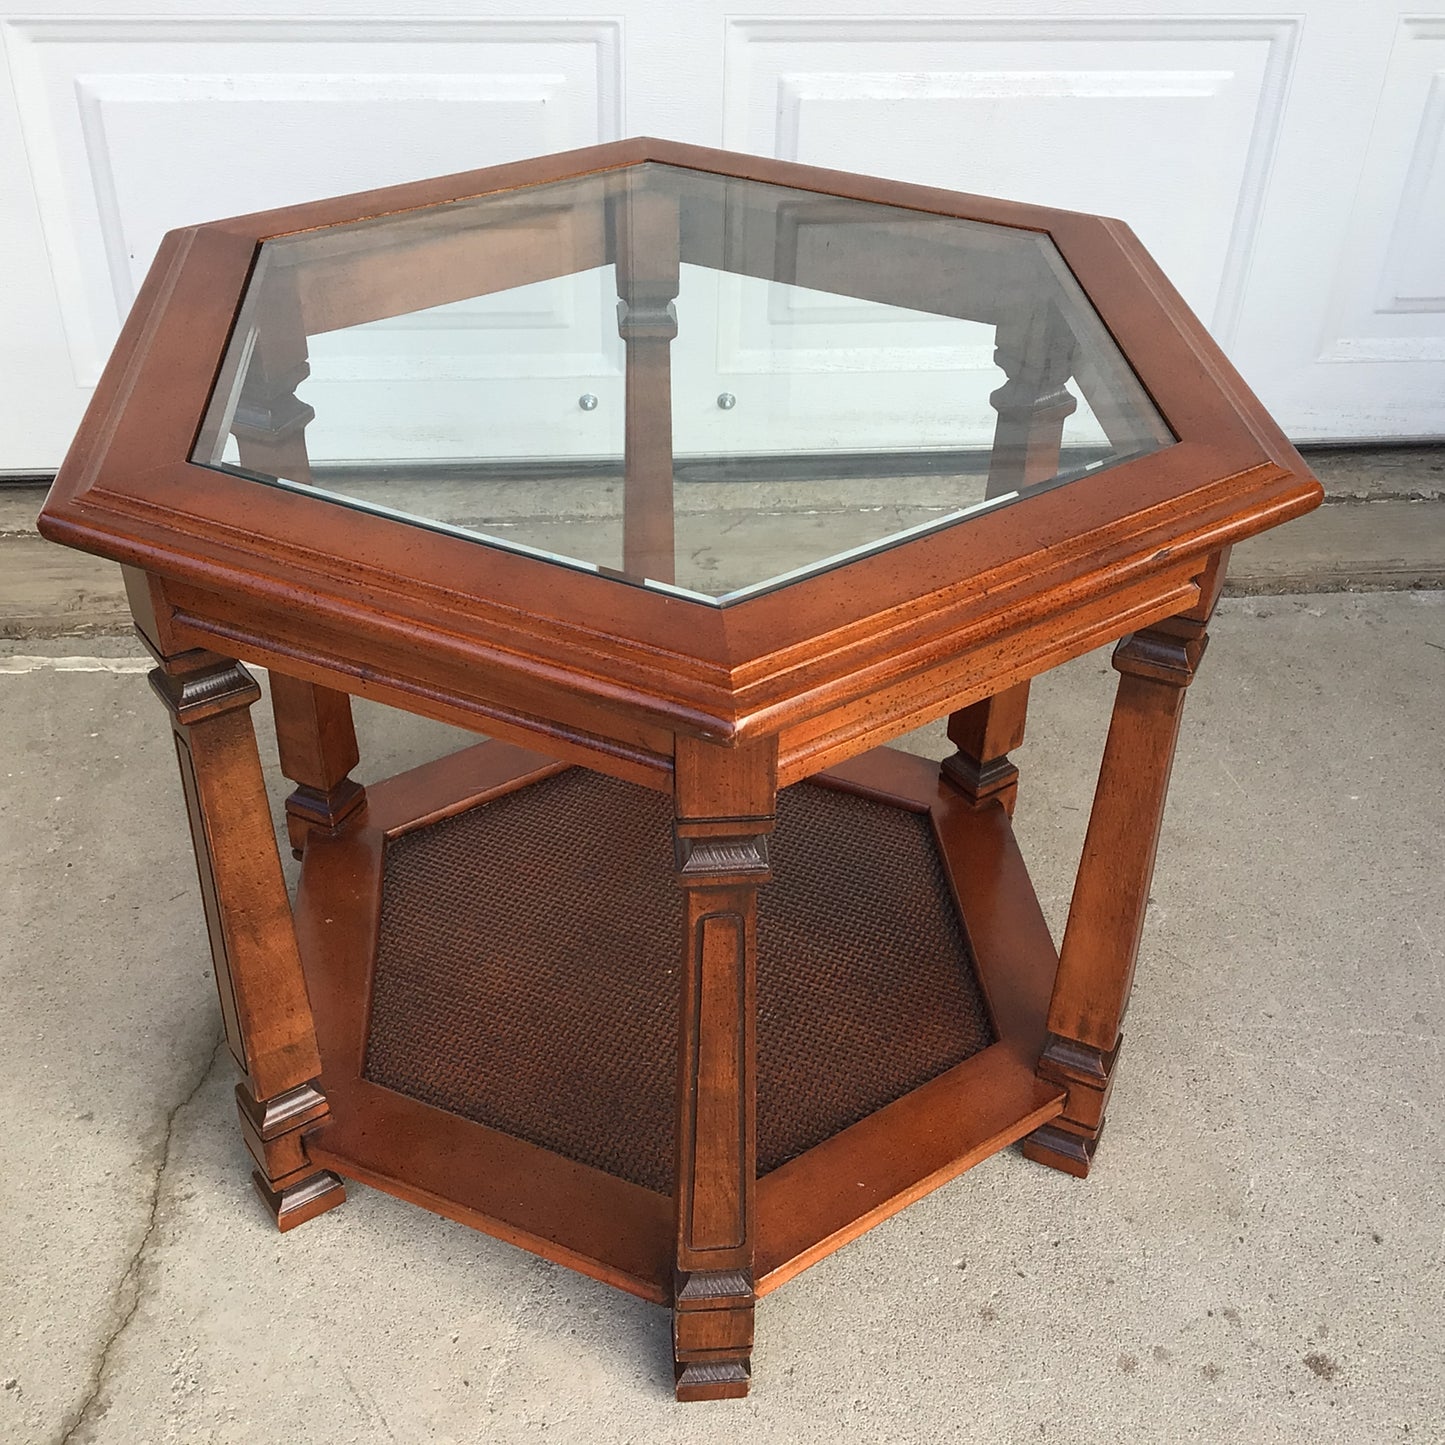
1286, 169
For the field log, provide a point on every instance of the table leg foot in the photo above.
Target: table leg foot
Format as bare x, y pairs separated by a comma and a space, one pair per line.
1068, 1142
301, 1199
1061, 1148
290, 1185
712, 1335
713, 1379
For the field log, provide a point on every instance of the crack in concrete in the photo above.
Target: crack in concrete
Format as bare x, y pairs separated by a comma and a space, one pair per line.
1364, 499
127, 1298
366, 1403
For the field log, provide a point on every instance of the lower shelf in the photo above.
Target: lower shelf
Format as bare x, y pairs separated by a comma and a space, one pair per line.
492, 952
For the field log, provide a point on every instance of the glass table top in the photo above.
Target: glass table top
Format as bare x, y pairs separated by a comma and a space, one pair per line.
701, 385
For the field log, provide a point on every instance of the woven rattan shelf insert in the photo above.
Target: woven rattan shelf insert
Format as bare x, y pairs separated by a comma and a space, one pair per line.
527, 976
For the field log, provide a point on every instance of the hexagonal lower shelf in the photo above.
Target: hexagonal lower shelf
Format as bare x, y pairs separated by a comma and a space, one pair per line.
493, 956
527, 971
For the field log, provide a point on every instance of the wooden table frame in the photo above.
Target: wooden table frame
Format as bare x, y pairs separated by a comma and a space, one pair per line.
717, 707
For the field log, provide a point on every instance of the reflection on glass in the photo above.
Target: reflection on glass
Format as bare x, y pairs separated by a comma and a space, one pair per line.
688, 382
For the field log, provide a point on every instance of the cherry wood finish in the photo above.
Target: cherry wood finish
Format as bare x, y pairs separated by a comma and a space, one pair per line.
751, 1235
314, 732
270, 421
1111, 893
493, 638
984, 735
836, 1191
264, 1005
316, 741
1036, 352
726, 802
645, 246
717, 707
564, 1211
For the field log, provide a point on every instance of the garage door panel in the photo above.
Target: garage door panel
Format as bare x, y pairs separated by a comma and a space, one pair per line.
134, 126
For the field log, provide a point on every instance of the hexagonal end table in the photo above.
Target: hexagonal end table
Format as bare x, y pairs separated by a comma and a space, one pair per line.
683, 979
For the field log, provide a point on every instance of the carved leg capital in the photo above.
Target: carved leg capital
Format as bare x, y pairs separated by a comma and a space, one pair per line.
207, 688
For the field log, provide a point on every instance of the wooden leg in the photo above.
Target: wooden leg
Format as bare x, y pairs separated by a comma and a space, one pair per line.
1111, 894
317, 744
984, 735
1035, 351
725, 802
314, 734
646, 247
264, 1004
270, 420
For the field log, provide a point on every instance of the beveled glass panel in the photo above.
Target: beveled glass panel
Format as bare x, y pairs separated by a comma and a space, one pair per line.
683, 381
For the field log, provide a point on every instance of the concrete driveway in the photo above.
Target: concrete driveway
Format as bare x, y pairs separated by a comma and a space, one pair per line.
1259, 1255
